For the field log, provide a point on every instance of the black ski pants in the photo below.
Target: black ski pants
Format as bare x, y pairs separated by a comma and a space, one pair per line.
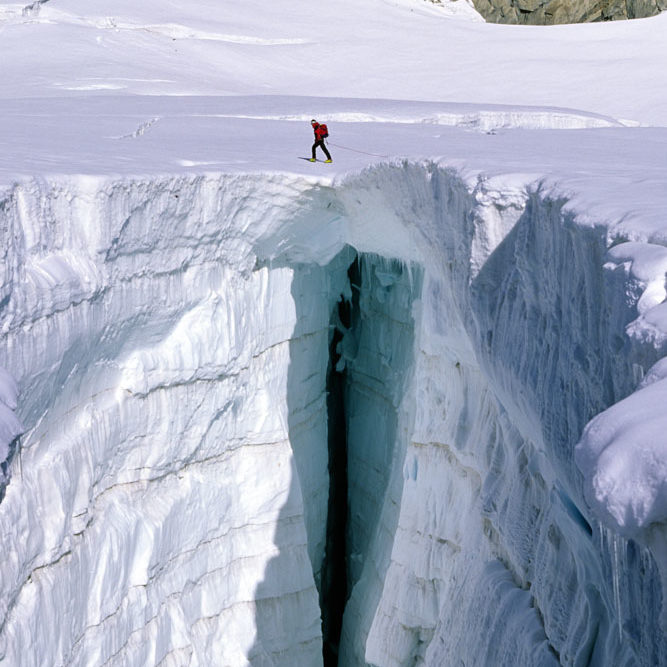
320, 143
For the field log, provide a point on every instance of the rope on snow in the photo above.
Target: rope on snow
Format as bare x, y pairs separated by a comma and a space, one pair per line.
354, 150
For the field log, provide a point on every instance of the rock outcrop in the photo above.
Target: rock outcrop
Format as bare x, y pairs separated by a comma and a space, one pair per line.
548, 12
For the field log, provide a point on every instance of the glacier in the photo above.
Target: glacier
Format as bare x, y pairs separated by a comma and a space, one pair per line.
175, 340
403, 409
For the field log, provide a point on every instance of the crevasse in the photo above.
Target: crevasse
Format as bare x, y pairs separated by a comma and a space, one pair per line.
173, 340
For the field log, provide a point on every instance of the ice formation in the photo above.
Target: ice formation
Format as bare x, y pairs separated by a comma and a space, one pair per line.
404, 411
176, 339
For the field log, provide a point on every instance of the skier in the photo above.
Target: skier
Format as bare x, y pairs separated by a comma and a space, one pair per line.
321, 133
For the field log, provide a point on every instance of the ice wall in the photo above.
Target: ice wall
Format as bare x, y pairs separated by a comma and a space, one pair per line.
171, 341
493, 557
153, 357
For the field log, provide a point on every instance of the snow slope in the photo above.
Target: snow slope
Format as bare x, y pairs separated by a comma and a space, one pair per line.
489, 245
392, 49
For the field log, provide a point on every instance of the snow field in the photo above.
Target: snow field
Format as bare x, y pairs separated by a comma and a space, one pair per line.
415, 51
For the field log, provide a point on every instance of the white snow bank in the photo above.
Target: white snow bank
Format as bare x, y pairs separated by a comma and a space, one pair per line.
623, 456
646, 264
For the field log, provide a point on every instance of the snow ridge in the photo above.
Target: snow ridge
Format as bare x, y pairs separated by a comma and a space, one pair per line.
481, 120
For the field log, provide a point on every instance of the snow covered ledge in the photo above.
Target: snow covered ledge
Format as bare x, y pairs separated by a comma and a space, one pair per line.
170, 337
623, 451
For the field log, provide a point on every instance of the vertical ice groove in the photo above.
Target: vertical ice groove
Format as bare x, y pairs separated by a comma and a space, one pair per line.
170, 340
616, 578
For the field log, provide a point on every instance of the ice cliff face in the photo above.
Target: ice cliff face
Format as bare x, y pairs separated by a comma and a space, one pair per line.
549, 12
256, 403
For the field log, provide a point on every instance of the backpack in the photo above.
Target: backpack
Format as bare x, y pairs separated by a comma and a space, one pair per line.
324, 130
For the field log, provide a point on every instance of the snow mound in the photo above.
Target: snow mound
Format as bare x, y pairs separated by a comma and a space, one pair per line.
623, 456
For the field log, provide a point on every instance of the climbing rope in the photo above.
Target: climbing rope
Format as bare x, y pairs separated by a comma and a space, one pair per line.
354, 150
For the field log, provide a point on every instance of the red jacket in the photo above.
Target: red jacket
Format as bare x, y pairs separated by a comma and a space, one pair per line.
320, 131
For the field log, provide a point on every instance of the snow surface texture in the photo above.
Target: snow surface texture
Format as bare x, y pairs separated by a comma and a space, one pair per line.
171, 276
